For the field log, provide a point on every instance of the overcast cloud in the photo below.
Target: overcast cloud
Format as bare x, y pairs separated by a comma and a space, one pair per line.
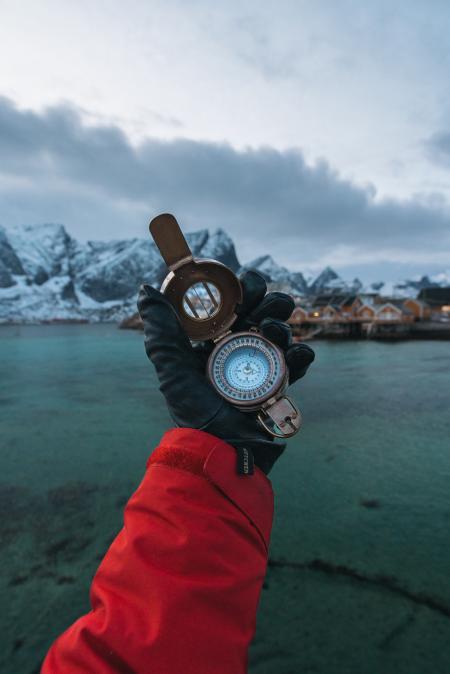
95, 181
315, 130
438, 148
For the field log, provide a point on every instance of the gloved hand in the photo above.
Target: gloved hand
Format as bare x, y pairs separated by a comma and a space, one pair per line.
181, 367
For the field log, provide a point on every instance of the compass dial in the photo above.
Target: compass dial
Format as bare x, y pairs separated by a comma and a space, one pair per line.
246, 368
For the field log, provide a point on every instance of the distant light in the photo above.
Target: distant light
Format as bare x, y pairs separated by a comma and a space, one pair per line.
446, 307
316, 313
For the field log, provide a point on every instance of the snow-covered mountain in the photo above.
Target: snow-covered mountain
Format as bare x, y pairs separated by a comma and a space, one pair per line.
413, 286
46, 275
328, 281
279, 277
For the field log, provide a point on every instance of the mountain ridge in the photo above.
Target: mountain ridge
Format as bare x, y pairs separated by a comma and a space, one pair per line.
46, 274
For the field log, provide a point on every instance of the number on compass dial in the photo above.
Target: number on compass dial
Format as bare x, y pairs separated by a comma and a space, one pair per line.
246, 368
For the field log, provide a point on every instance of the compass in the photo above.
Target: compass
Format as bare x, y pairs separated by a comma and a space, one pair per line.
245, 368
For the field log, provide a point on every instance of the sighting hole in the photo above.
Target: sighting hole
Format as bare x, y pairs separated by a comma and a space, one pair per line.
201, 301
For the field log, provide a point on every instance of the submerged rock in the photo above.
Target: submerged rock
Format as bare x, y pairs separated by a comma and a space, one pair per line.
370, 503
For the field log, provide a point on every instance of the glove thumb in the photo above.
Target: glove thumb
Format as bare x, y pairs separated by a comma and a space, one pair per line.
166, 343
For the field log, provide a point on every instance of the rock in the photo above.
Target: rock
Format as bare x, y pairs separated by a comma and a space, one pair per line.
8, 258
133, 322
68, 292
6, 280
41, 276
370, 503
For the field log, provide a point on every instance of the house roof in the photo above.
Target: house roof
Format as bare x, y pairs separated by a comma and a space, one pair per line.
395, 304
323, 300
365, 305
435, 297
334, 299
421, 303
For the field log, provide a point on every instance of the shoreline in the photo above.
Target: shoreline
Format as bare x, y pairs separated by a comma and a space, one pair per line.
396, 333
429, 330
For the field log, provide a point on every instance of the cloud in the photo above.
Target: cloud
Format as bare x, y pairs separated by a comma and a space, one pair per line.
252, 41
437, 148
53, 167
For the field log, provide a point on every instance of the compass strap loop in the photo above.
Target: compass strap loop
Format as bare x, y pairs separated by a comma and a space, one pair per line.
285, 416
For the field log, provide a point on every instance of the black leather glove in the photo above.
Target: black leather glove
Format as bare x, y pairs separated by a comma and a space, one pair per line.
181, 367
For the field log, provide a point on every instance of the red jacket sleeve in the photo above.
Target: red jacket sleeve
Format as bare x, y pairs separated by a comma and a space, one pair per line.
178, 590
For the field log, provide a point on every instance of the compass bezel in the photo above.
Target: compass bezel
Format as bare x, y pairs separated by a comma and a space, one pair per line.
178, 282
276, 388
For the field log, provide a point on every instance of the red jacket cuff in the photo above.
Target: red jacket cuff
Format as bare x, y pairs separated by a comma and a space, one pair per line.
204, 454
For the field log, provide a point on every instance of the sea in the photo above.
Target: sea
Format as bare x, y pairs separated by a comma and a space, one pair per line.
358, 580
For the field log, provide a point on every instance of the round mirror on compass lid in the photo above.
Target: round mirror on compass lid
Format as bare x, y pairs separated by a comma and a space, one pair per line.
203, 292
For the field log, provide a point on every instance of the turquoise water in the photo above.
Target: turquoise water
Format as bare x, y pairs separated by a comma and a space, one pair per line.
360, 580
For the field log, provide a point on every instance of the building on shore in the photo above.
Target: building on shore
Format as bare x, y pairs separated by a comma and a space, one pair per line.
420, 309
438, 299
370, 314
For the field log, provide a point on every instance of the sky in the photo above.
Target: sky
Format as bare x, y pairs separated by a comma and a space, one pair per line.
317, 131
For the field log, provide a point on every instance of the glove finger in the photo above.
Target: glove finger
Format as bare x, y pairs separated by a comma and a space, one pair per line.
254, 288
162, 327
277, 331
179, 371
298, 359
274, 305
202, 351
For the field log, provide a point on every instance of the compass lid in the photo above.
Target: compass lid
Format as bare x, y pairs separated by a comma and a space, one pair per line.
203, 292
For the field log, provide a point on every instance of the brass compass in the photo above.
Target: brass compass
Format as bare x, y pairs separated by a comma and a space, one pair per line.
245, 368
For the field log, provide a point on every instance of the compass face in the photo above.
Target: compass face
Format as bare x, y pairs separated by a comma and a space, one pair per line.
246, 368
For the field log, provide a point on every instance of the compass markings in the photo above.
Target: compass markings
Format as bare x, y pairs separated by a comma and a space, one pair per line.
253, 358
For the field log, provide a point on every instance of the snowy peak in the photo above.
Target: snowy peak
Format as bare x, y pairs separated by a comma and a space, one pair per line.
442, 279
219, 246
412, 287
45, 274
113, 270
326, 280
267, 266
434, 281
279, 277
43, 250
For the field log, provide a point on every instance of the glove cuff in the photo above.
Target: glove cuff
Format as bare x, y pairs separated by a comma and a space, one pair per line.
260, 453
